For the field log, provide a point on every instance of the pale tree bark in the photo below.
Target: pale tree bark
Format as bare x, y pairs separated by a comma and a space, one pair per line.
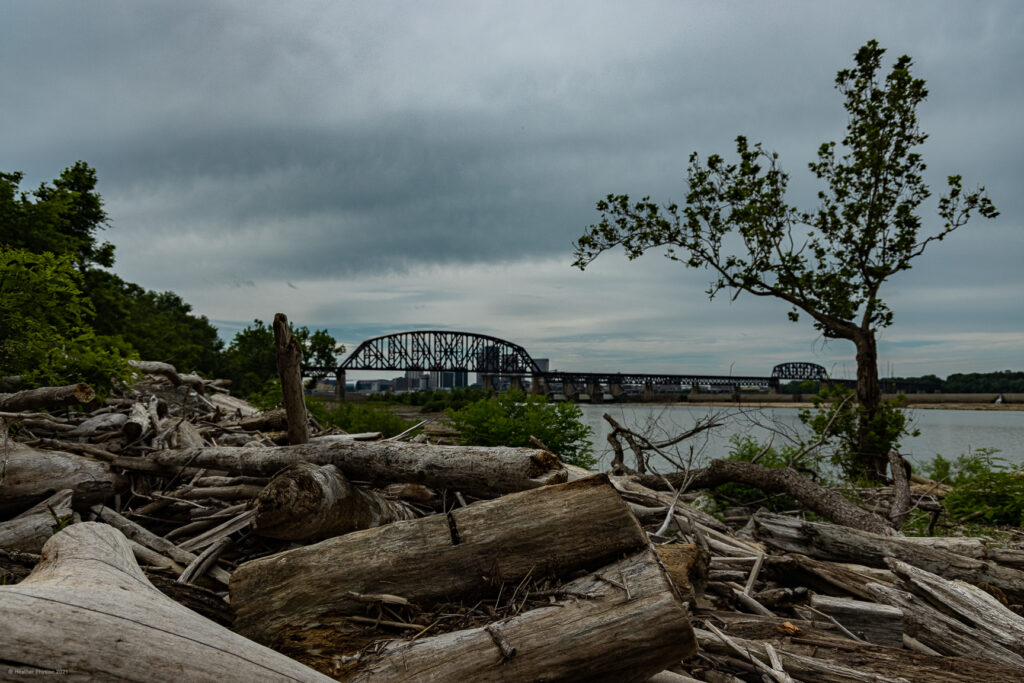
289, 368
30, 475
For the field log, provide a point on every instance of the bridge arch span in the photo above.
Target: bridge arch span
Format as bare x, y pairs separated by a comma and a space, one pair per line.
430, 350
800, 371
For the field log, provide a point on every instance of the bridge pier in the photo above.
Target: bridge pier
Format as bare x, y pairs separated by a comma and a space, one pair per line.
538, 385
515, 382
339, 385
596, 392
648, 391
571, 391
615, 389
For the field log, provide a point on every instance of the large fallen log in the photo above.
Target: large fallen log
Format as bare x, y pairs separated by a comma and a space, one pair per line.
47, 397
469, 551
843, 544
32, 475
313, 502
475, 471
89, 612
627, 629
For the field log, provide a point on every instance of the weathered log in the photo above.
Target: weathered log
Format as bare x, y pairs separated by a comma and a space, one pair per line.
147, 538
687, 566
831, 542
795, 570
138, 422
33, 475
152, 367
28, 531
553, 530
822, 500
313, 502
942, 632
99, 423
88, 610
879, 624
47, 397
475, 471
968, 603
839, 660
624, 632
289, 369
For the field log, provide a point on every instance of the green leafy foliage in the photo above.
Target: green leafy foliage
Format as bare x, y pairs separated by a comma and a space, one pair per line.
986, 489
250, 361
45, 336
513, 417
837, 419
828, 263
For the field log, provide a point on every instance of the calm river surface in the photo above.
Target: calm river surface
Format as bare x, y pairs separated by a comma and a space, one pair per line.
947, 432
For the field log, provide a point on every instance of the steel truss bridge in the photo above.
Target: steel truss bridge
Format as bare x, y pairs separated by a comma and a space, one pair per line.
450, 351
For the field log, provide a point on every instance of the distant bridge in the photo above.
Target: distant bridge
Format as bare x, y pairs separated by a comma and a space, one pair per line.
489, 357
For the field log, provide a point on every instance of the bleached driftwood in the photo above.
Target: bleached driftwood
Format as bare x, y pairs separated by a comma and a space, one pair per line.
88, 610
31, 475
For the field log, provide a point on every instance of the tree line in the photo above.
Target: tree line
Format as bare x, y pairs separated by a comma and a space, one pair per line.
66, 317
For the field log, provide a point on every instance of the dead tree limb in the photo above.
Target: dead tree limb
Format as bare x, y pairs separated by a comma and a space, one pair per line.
289, 368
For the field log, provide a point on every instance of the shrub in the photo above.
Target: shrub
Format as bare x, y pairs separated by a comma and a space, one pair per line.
513, 417
986, 489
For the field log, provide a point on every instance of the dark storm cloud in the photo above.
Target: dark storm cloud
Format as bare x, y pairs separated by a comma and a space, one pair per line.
341, 158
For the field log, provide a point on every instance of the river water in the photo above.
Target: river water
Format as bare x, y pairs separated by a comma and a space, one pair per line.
950, 433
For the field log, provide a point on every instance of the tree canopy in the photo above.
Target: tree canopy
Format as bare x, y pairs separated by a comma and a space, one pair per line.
830, 262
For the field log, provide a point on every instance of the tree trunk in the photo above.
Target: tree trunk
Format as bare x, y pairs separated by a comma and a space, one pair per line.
289, 368
872, 445
33, 475
313, 502
294, 596
88, 610
47, 397
483, 472
624, 632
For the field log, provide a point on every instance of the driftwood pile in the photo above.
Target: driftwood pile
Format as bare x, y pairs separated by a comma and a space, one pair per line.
173, 534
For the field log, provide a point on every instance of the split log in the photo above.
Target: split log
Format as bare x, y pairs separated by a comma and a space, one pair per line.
628, 630
687, 566
475, 471
968, 603
88, 610
47, 397
831, 542
553, 530
97, 424
28, 531
33, 475
942, 632
289, 369
313, 502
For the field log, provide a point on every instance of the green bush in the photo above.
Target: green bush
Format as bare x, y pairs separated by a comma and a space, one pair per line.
986, 489
513, 417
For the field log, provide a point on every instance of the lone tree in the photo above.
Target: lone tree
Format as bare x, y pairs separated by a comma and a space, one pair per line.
829, 263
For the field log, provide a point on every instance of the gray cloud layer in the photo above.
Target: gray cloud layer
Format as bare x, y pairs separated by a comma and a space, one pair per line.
373, 166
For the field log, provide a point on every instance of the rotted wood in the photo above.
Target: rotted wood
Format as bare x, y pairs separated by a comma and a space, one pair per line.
837, 543
481, 472
313, 502
687, 566
626, 630
289, 369
47, 397
112, 624
552, 530
32, 475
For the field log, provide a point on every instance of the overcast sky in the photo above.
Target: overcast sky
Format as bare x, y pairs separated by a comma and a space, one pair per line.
376, 167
